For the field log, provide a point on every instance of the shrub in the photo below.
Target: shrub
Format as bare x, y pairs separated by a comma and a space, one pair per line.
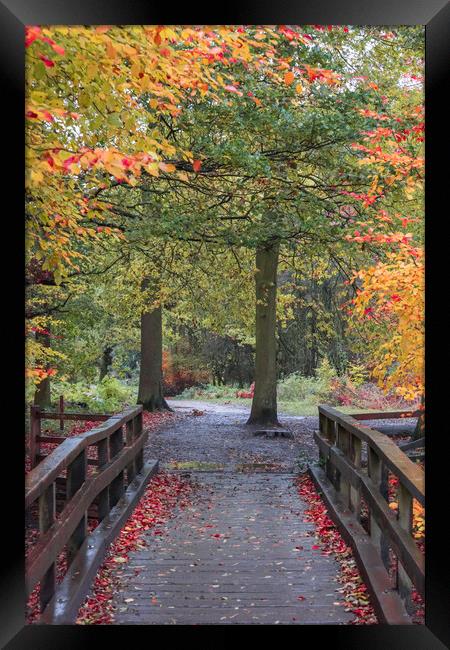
325, 375
208, 391
178, 377
296, 387
110, 395
177, 382
367, 395
357, 374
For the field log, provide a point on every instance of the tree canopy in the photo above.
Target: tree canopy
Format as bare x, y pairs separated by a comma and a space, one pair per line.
162, 160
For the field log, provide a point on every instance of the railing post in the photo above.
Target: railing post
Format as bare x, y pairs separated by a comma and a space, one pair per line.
76, 476
378, 474
327, 427
131, 469
46, 519
323, 430
374, 472
404, 584
384, 490
343, 442
355, 493
103, 506
137, 425
61, 410
35, 432
116, 488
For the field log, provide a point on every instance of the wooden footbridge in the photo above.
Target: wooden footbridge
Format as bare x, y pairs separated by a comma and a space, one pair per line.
261, 567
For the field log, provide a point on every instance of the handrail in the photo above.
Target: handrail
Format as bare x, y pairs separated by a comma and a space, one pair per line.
342, 441
408, 473
43, 474
119, 441
386, 415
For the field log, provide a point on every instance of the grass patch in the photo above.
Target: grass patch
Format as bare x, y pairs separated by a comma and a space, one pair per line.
194, 465
295, 408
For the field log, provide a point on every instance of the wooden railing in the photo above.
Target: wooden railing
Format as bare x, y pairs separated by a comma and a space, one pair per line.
37, 414
118, 445
357, 461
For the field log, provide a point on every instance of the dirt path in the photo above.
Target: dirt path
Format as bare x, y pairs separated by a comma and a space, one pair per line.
220, 440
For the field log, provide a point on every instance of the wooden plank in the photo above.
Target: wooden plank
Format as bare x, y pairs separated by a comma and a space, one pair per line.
348, 473
339, 460
402, 542
411, 475
76, 477
46, 518
46, 472
393, 430
258, 561
63, 608
383, 526
343, 443
385, 415
103, 503
388, 606
61, 410
323, 444
413, 444
355, 490
35, 430
129, 435
117, 485
40, 477
53, 541
404, 583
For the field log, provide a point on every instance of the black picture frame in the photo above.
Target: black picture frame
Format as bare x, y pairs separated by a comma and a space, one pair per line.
434, 14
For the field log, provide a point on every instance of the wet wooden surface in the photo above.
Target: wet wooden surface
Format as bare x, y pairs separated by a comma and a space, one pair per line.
241, 553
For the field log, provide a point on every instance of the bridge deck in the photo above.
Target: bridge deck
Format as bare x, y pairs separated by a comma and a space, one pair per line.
241, 553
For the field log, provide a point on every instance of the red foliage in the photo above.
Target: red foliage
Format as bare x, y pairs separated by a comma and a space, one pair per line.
247, 394
368, 395
163, 494
354, 591
176, 380
151, 421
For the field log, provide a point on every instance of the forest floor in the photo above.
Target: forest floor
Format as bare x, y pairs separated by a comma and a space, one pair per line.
300, 407
219, 439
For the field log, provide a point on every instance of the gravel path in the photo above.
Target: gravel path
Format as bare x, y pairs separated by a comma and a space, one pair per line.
220, 439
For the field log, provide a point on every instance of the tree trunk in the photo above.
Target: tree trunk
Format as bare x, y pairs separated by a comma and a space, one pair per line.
105, 361
264, 404
150, 376
42, 394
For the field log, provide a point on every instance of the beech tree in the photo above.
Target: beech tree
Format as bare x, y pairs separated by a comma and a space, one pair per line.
267, 176
144, 139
